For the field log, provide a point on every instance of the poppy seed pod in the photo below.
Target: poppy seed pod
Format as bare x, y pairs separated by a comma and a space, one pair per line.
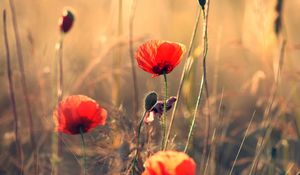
150, 100
202, 3
66, 21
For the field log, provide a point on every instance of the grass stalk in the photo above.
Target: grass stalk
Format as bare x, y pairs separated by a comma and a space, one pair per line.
131, 51
12, 97
117, 59
183, 74
203, 84
242, 143
23, 83
268, 121
194, 115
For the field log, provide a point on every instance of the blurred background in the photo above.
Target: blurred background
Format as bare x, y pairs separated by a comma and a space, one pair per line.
246, 49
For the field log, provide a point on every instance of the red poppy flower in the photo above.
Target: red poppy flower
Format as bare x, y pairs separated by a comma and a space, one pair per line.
66, 21
169, 163
78, 112
159, 57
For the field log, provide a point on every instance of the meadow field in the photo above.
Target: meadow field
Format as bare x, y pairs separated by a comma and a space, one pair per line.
149, 87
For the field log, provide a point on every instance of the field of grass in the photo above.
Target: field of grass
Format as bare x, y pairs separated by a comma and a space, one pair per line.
236, 86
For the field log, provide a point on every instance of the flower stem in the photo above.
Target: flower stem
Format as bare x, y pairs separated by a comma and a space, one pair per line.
83, 150
134, 160
205, 12
56, 139
140, 129
60, 82
163, 143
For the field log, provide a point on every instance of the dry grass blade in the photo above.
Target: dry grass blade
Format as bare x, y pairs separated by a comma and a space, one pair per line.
131, 51
242, 143
92, 65
23, 82
12, 95
263, 141
184, 71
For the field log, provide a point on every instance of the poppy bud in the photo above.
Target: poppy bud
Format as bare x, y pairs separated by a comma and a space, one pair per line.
150, 100
202, 3
66, 21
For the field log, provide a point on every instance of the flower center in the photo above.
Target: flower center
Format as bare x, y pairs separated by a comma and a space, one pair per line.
162, 68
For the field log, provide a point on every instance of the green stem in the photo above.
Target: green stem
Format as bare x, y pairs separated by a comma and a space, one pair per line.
133, 163
83, 150
139, 131
164, 141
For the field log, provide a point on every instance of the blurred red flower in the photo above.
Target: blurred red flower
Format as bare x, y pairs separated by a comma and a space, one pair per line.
66, 21
159, 57
169, 163
78, 112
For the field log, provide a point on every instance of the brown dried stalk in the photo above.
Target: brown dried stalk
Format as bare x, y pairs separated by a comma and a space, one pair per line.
23, 82
12, 96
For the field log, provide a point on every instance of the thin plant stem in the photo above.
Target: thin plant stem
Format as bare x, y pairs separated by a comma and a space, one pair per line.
280, 32
289, 169
133, 70
139, 130
209, 153
117, 59
83, 150
178, 94
23, 83
12, 96
60, 83
194, 115
56, 139
203, 84
263, 141
213, 140
164, 117
205, 13
242, 143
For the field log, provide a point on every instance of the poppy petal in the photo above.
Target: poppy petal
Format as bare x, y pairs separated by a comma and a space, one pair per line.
169, 163
159, 57
182, 168
78, 113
